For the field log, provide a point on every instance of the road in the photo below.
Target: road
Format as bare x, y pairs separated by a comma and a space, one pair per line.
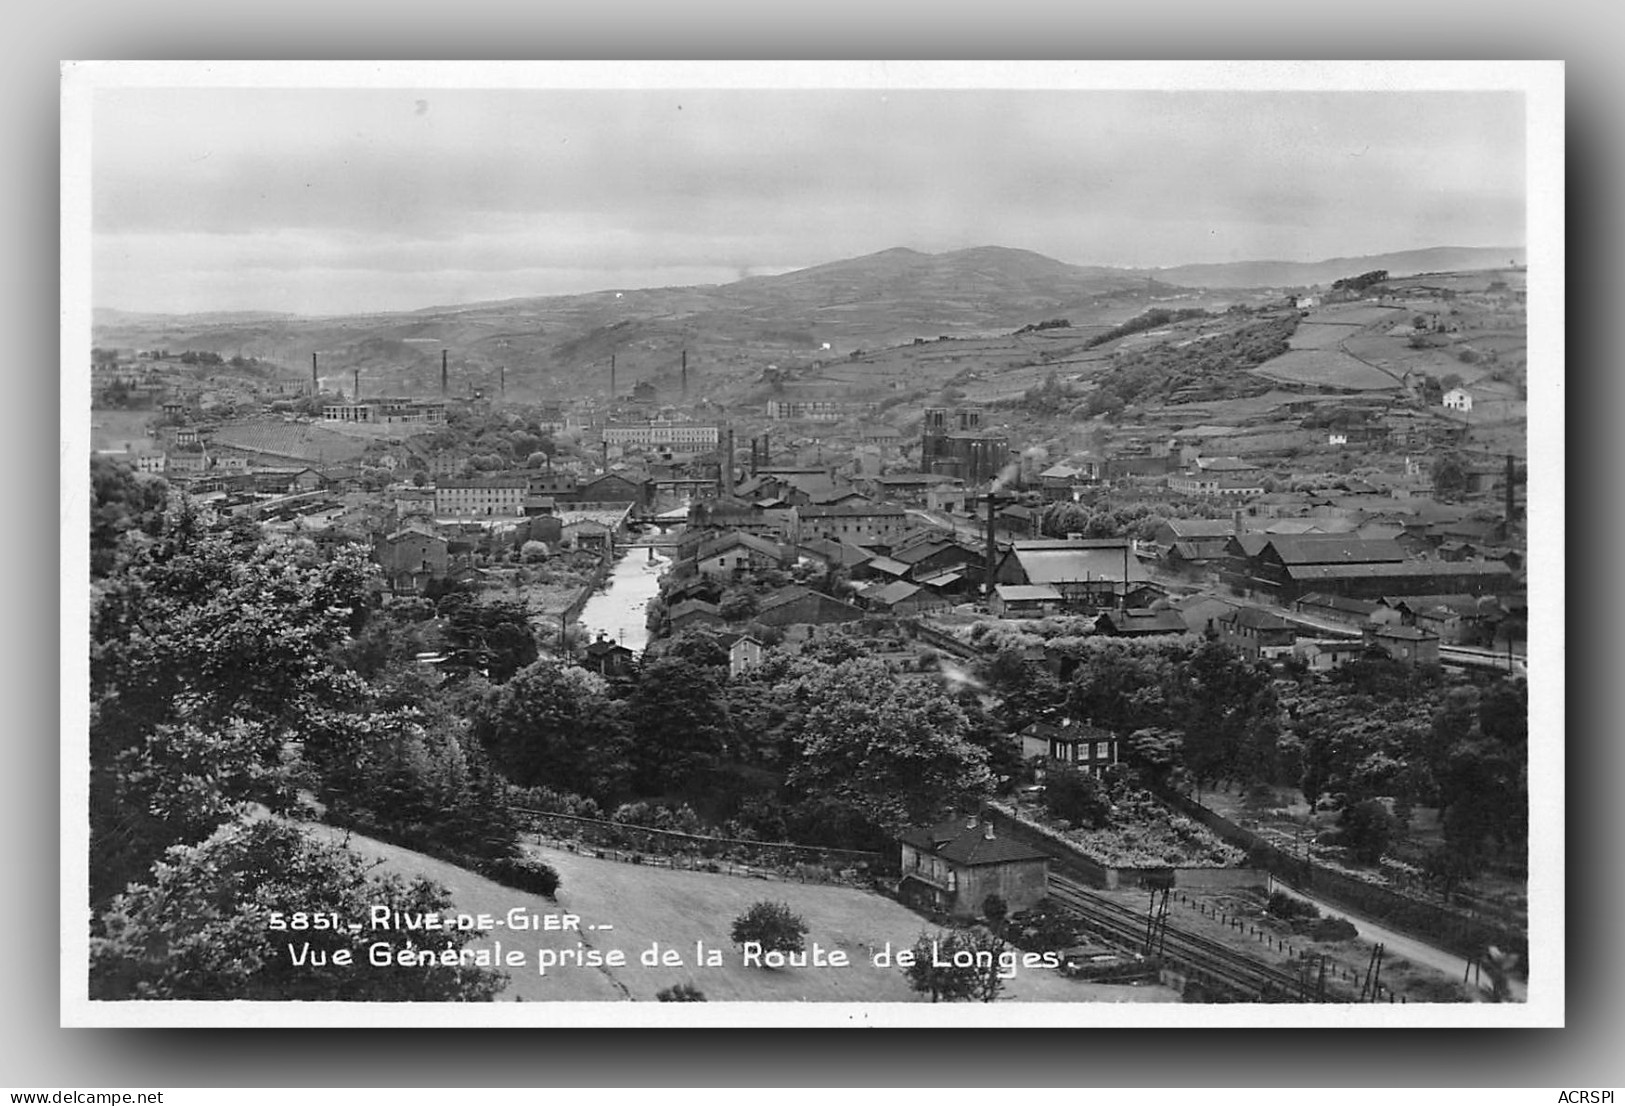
1399, 944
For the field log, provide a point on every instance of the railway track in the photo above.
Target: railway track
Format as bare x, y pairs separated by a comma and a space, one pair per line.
1200, 958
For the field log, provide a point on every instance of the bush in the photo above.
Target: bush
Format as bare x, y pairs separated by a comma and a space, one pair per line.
1333, 929
681, 992
772, 925
1282, 905
1044, 928
523, 874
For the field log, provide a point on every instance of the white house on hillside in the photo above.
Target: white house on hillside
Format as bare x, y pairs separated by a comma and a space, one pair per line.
1458, 399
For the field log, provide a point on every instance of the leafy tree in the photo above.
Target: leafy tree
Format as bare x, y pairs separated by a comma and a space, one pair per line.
1230, 717
1026, 690
556, 725
772, 925
1449, 476
1124, 686
121, 501
1367, 829
894, 749
738, 605
1076, 795
680, 716
957, 966
201, 927
210, 671
492, 636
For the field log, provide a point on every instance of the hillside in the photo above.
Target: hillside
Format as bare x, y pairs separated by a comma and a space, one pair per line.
559, 347
645, 905
1303, 274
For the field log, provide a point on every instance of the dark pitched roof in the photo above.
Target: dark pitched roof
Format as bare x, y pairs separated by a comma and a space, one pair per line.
1201, 527
1256, 618
1142, 622
1334, 549
969, 844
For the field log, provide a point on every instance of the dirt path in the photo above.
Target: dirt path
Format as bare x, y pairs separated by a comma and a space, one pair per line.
1398, 944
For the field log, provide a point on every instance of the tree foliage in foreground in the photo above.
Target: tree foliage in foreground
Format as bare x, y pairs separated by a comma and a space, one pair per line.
200, 927
210, 667
895, 750
935, 973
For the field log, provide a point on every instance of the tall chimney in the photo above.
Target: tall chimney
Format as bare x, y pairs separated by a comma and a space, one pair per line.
685, 394
992, 549
315, 384
444, 375
728, 458
605, 447
502, 380
357, 397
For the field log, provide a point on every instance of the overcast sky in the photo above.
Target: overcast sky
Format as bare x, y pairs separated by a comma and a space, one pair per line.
338, 200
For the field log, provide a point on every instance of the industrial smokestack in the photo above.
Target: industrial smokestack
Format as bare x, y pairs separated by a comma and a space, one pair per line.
357, 396
502, 381
728, 460
445, 377
992, 549
315, 384
685, 396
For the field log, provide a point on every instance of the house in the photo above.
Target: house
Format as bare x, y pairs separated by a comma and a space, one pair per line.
734, 554
744, 653
1325, 654
692, 614
1076, 743
829, 554
607, 658
931, 556
1140, 623
493, 497
586, 533
799, 606
1406, 644
1458, 399
905, 600
1256, 633
952, 868
411, 557
1023, 601
860, 524
1337, 608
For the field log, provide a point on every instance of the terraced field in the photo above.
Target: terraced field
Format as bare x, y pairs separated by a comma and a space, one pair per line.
1326, 368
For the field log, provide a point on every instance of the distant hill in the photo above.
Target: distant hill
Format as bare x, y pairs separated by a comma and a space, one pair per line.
560, 346
1296, 274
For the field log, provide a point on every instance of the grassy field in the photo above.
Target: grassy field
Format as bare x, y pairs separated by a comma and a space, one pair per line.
676, 909
115, 429
1326, 368
1356, 314
1321, 335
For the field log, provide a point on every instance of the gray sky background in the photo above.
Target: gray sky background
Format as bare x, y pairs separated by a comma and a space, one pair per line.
339, 200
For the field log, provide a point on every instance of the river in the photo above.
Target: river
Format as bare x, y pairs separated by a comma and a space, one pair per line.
619, 609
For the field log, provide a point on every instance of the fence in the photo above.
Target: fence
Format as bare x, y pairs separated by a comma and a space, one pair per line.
600, 573
1426, 921
701, 852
